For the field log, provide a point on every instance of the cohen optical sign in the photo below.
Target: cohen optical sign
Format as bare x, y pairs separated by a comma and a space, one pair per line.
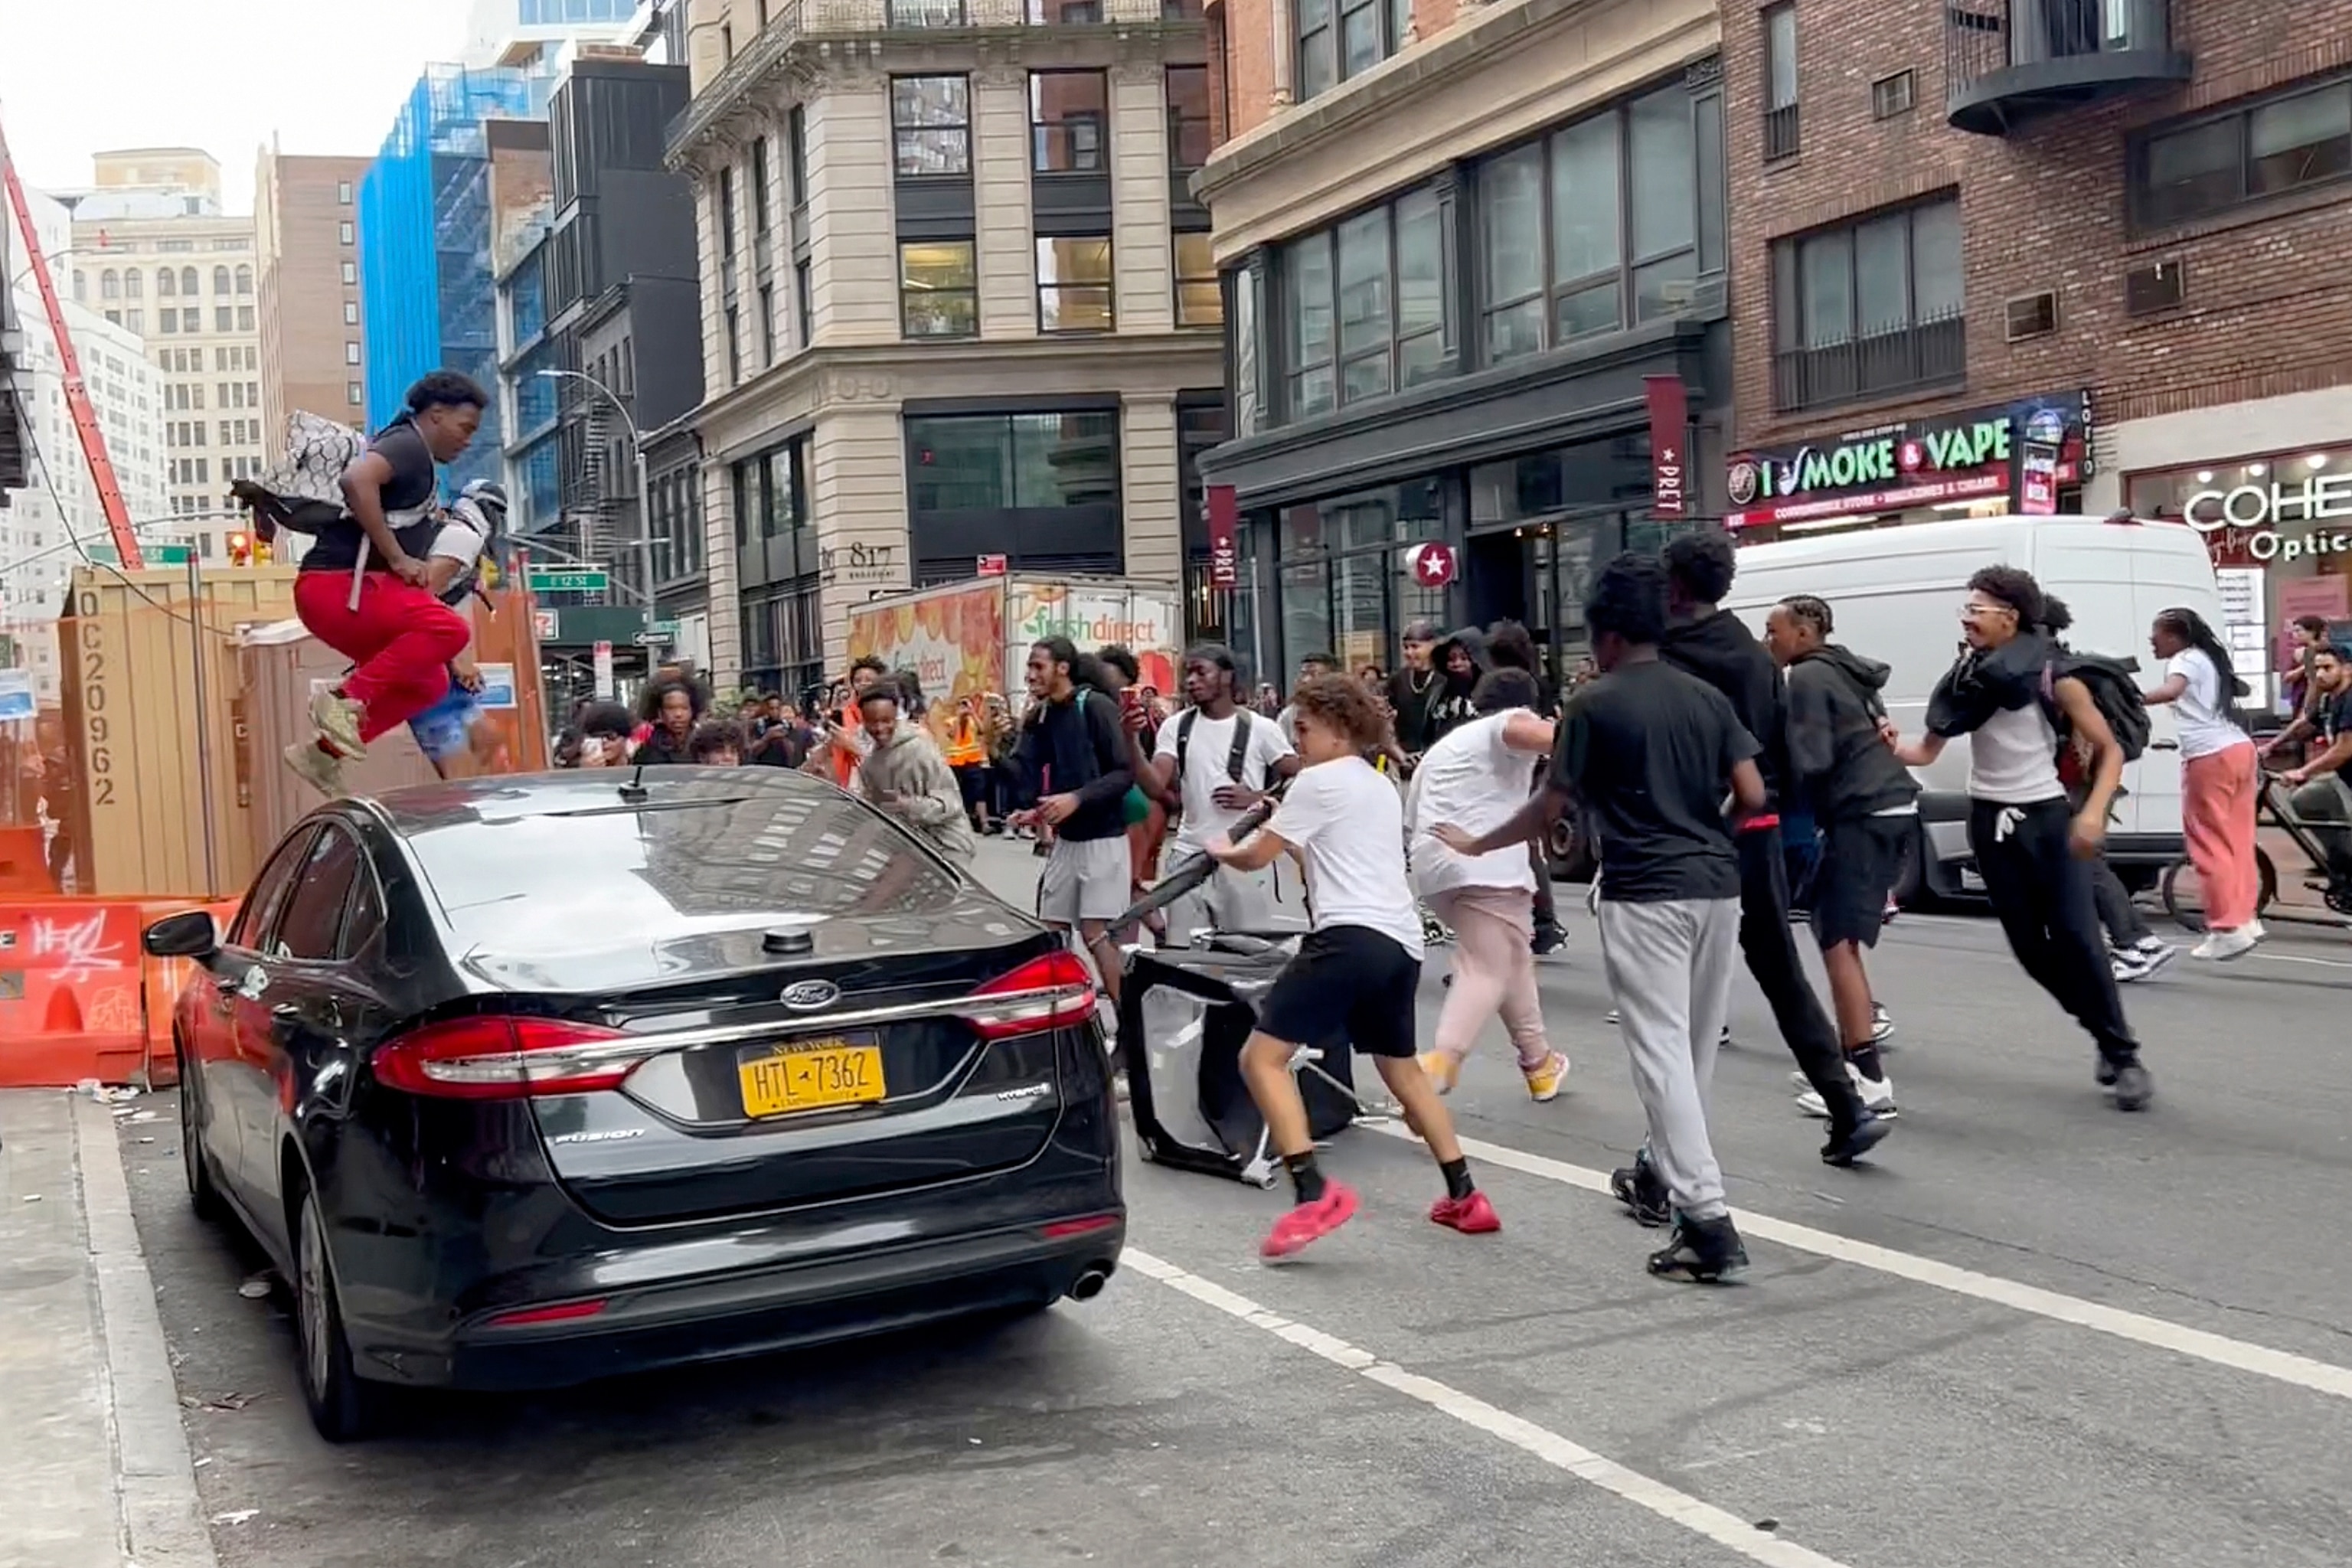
2267, 512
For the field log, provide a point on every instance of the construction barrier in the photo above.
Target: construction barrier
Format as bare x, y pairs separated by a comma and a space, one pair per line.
79, 996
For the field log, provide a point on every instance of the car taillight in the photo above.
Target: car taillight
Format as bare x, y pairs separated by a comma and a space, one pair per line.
497, 1057
1055, 992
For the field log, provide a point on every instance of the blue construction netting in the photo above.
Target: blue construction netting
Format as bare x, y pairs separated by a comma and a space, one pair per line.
424, 244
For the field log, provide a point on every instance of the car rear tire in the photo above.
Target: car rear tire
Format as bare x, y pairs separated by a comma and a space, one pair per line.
203, 1196
343, 1406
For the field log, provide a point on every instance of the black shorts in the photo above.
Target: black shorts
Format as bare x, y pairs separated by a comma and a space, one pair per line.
1860, 860
1350, 980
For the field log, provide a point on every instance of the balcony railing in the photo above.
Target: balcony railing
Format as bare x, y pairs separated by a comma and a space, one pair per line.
790, 24
1928, 354
1780, 133
2007, 61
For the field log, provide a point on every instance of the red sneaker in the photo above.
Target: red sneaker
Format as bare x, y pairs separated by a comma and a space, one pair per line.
1473, 1215
1310, 1222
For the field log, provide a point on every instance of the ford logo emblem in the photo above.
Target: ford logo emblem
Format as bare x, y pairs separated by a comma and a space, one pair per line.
808, 995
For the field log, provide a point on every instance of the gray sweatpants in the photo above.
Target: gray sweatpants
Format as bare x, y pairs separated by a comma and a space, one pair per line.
1670, 967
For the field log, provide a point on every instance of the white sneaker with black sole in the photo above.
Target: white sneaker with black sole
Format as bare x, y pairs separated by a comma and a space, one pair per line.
1877, 1094
2141, 959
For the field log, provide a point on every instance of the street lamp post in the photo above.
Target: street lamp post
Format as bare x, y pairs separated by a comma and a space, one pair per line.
644, 495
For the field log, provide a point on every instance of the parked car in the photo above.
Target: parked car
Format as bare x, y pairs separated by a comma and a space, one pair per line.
525, 1081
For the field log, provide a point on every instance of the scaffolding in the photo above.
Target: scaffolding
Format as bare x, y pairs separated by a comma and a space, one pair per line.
425, 244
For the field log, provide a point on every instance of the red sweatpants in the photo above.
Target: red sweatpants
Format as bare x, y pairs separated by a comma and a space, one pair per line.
2218, 795
401, 638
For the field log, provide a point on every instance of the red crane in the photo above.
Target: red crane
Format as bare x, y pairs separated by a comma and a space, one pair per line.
85, 418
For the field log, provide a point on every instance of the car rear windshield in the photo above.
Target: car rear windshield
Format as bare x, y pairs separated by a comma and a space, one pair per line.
539, 883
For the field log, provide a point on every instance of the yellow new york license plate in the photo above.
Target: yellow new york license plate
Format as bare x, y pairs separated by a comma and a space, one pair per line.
815, 1076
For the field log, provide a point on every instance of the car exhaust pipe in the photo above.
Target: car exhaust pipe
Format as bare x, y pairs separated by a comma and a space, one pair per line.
1089, 1285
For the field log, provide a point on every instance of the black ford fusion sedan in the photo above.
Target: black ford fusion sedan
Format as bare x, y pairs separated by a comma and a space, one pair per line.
523, 1081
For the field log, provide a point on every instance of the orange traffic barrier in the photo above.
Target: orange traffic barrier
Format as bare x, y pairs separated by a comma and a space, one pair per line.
79, 996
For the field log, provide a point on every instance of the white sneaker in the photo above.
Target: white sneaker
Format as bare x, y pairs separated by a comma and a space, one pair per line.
2127, 965
338, 719
315, 768
1882, 1026
1876, 1095
2222, 945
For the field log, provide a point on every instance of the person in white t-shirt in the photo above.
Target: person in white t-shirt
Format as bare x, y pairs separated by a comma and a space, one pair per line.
1478, 777
2220, 778
1357, 974
1227, 758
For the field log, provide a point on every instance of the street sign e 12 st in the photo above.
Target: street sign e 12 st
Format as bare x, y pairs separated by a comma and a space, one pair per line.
569, 579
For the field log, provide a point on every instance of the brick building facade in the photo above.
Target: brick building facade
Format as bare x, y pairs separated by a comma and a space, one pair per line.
2128, 219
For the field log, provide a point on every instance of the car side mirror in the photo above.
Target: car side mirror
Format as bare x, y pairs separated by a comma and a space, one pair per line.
188, 934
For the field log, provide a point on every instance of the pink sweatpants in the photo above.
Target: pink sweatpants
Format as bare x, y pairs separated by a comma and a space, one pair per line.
1493, 971
2218, 793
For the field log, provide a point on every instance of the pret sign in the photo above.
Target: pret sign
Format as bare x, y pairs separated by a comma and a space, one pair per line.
1669, 405
1225, 537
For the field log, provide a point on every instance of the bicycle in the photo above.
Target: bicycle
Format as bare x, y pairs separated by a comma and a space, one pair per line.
2183, 896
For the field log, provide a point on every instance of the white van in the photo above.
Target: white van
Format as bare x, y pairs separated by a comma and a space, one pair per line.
1896, 594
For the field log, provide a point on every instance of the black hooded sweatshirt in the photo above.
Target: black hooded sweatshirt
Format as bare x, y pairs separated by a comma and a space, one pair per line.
1449, 705
1837, 762
1719, 649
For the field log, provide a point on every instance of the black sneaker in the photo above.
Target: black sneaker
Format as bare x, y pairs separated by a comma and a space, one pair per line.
1637, 1186
1705, 1250
1549, 939
1845, 1147
2134, 1088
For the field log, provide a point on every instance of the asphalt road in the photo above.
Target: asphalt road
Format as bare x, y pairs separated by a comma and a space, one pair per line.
2035, 1331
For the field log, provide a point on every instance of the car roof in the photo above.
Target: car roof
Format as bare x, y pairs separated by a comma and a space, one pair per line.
505, 798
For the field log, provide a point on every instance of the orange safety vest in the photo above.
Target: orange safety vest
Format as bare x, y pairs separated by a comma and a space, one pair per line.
964, 747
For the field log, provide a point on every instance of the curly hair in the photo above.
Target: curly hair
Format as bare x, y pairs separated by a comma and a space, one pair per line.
1119, 656
2015, 587
1339, 703
1702, 564
713, 736
1629, 597
444, 389
649, 702
1510, 647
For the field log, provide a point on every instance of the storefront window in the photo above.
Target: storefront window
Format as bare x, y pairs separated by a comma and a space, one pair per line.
1345, 586
2279, 528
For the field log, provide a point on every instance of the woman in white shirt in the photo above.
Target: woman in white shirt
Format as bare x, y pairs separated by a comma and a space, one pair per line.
1478, 777
2220, 777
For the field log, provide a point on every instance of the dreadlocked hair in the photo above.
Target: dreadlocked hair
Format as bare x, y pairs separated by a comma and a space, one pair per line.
2192, 628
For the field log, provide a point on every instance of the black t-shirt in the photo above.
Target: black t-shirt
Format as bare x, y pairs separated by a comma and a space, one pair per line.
1648, 752
2333, 715
1413, 694
337, 546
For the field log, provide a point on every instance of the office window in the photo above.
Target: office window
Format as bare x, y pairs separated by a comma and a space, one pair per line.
1200, 301
767, 324
81, 282
734, 346
110, 284
1780, 24
992, 462
803, 313
245, 317
224, 318
130, 284
343, 192
1364, 306
245, 281
350, 353
228, 438
135, 318
252, 388
926, 13
192, 321
1595, 227
797, 152
2275, 146
252, 356
759, 186
220, 279
221, 390
354, 393
1340, 39
351, 312
1869, 308
726, 213
938, 290
1069, 118
930, 124
1073, 285
1188, 116
188, 280
196, 398
351, 273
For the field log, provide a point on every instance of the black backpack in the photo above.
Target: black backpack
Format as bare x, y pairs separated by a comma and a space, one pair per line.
2113, 687
1236, 762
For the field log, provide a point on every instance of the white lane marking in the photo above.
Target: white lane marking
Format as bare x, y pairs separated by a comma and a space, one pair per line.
1674, 1507
2297, 958
2303, 1372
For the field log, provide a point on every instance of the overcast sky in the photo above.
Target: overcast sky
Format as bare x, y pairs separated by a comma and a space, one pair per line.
321, 76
